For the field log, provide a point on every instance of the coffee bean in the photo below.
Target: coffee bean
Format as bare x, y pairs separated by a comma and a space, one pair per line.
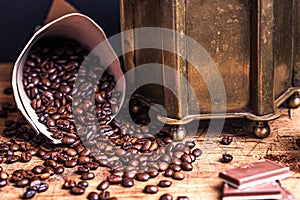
178, 176
186, 166
103, 185
174, 167
22, 183
83, 184
49, 170
127, 182
182, 198
69, 183
163, 166
12, 159
164, 183
226, 158
3, 175
168, 173
153, 173
34, 181
226, 140
42, 187
93, 196
59, 170
25, 157
77, 190
104, 195
70, 163
29, 194
88, 176
190, 144
3, 183
142, 176
1, 169
82, 169
151, 189
166, 197
186, 158
45, 176
50, 163
113, 179
197, 152
38, 169
83, 160
71, 152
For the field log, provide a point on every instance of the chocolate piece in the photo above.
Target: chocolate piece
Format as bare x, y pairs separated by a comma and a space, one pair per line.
269, 190
253, 174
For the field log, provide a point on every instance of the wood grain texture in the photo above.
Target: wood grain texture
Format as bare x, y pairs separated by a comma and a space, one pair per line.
202, 182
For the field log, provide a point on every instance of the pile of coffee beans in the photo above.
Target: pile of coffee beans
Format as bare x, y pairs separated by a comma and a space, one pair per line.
59, 91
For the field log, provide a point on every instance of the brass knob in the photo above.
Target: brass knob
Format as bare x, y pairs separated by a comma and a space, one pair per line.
261, 129
293, 101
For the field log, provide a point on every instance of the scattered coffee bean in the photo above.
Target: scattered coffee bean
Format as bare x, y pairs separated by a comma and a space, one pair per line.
103, 185
166, 197
3, 183
83, 184
104, 195
164, 183
186, 166
22, 183
42, 187
151, 189
226, 158
127, 182
29, 194
93, 196
178, 176
142, 177
113, 179
69, 184
88, 176
182, 198
77, 190
226, 140
168, 173
197, 152
59, 170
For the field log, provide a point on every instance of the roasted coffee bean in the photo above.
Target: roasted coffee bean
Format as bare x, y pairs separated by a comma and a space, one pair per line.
22, 183
38, 169
178, 176
166, 197
82, 169
226, 140
49, 170
142, 176
93, 196
182, 198
88, 176
83, 184
226, 158
3, 175
153, 173
44, 176
168, 173
42, 187
34, 181
186, 158
70, 163
77, 190
29, 194
151, 189
186, 166
8, 90
113, 179
59, 170
163, 166
103, 185
174, 167
197, 152
69, 184
71, 152
25, 157
127, 182
82, 160
164, 183
50, 163
190, 144
12, 159
3, 183
104, 195
3, 113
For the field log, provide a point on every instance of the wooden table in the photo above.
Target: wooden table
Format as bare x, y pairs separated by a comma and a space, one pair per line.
203, 181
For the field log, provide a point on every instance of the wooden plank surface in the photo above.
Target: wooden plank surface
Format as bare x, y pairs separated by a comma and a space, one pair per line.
201, 183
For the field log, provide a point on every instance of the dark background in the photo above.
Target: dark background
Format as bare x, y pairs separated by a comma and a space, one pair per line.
19, 17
